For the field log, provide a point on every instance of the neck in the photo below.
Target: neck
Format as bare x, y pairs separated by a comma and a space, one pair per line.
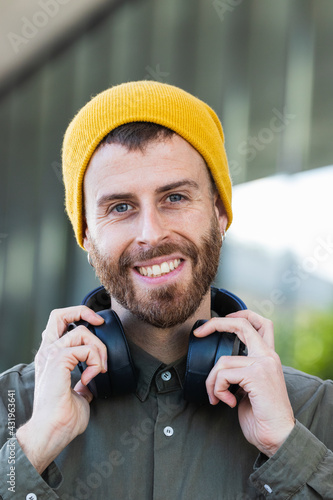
165, 344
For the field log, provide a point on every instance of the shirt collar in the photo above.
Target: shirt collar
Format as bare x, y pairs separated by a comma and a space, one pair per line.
150, 371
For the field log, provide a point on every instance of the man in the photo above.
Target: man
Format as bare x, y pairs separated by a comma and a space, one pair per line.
149, 195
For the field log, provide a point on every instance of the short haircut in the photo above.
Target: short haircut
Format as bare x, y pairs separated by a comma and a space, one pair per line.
137, 135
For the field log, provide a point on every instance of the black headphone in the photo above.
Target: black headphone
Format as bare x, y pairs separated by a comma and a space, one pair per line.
202, 355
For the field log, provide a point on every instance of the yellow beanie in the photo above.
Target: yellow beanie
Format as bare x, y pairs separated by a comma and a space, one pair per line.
147, 101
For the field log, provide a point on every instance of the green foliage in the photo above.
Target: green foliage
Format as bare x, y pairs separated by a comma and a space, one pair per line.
304, 340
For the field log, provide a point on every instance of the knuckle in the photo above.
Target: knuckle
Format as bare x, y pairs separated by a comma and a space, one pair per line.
273, 358
218, 320
93, 349
93, 354
54, 314
218, 390
85, 335
270, 362
242, 324
83, 308
276, 357
269, 323
80, 330
213, 322
218, 382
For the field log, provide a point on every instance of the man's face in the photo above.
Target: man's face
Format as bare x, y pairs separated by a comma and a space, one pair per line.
153, 228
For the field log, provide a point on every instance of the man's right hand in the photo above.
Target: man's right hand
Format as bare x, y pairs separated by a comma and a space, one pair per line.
61, 413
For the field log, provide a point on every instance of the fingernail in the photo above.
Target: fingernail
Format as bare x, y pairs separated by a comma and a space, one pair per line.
106, 365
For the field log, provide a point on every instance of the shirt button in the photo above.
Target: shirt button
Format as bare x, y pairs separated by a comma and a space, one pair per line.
31, 496
168, 431
268, 488
166, 376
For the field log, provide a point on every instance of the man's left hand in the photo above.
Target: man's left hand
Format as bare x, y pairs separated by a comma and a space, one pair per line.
265, 413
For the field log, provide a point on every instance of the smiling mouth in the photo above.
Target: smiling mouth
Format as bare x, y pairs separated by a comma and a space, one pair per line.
159, 270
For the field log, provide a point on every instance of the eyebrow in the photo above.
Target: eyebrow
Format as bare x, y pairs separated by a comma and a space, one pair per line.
163, 189
106, 198
178, 184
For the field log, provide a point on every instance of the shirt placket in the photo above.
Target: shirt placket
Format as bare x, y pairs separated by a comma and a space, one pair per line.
167, 435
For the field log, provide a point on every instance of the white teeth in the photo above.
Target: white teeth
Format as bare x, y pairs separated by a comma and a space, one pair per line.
157, 270
165, 267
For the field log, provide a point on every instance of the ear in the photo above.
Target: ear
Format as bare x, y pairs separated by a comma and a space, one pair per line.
86, 238
220, 212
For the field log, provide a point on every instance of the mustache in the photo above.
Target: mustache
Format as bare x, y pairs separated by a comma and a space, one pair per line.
188, 249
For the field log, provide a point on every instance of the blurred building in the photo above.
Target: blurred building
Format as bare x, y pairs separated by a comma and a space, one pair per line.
265, 67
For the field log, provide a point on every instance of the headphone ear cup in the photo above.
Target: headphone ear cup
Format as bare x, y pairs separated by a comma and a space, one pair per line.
120, 377
200, 360
203, 354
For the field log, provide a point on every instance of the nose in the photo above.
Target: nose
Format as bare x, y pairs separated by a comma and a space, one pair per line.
152, 228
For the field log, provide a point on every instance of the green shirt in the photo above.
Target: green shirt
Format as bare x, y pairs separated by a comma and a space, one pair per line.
155, 445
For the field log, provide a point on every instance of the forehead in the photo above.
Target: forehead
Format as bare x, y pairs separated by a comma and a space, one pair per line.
113, 166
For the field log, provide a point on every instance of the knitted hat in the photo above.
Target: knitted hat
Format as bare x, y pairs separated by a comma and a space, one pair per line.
148, 101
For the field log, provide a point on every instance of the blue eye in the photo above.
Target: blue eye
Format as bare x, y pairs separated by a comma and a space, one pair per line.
122, 207
175, 197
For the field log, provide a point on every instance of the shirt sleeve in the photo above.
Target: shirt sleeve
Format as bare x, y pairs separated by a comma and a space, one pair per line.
302, 469
20, 480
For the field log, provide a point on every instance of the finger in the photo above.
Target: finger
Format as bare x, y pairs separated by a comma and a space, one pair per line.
225, 396
82, 336
68, 359
223, 368
83, 391
217, 385
60, 319
61, 362
241, 327
226, 362
264, 326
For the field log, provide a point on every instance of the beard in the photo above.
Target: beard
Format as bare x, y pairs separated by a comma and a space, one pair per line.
167, 305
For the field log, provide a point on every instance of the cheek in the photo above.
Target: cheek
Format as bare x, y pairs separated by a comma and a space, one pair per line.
197, 221
112, 245
191, 216
110, 240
